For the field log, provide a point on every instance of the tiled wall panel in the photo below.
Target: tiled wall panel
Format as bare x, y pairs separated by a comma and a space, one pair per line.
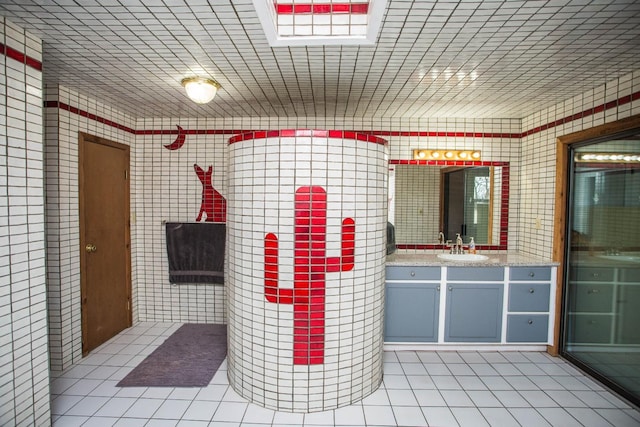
306, 253
63, 221
538, 176
24, 374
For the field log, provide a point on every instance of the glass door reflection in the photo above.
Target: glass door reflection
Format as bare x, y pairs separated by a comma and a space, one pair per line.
602, 304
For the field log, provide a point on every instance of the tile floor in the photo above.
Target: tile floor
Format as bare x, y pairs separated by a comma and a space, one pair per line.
441, 389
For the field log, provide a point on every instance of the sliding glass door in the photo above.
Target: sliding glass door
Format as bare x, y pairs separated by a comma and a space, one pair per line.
602, 280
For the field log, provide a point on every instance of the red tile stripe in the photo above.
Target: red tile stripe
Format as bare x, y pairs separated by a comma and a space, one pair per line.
321, 8
364, 135
82, 113
343, 134
20, 57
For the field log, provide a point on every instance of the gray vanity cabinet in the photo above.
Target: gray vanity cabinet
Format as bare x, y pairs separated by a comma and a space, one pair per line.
474, 310
528, 305
412, 304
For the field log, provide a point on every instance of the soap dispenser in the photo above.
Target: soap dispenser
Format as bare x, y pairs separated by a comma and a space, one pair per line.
472, 246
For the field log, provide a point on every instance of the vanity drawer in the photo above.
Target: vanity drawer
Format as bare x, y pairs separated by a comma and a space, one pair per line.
529, 296
589, 328
413, 273
530, 273
527, 328
591, 297
591, 274
476, 274
630, 275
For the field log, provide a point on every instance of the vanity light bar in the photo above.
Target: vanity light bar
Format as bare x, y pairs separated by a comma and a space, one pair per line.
608, 157
424, 154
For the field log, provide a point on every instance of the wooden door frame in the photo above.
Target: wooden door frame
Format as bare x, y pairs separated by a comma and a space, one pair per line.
563, 144
82, 138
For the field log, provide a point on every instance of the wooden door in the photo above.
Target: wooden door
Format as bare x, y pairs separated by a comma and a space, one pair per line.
105, 261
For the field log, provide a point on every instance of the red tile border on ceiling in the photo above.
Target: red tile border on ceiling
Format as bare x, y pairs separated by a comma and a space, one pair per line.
20, 57
321, 8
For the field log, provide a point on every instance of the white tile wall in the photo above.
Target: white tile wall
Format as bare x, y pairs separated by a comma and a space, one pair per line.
537, 180
265, 175
24, 375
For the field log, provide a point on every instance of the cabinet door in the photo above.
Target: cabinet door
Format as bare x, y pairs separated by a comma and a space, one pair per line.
474, 312
411, 312
628, 314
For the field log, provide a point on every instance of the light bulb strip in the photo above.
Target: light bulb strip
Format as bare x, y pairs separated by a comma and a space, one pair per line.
608, 157
439, 154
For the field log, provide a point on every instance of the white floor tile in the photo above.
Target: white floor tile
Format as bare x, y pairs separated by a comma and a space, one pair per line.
617, 418
538, 399
143, 408
379, 415
423, 382
69, 421
116, 407
349, 416
402, 398
288, 418
396, 382
258, 414
230, 411
378, 397
469, 417
558, 417
409, 416
499, 417
437, 416
172, 409
456, 398
200, 410
511, 399
484, 399
446, 382
87, 406
480, 388
324, 418
528, 417
429, 398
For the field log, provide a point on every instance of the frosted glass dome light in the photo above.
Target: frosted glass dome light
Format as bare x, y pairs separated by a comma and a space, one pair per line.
200, 89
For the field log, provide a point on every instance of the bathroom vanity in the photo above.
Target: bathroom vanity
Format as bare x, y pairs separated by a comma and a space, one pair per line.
504, 302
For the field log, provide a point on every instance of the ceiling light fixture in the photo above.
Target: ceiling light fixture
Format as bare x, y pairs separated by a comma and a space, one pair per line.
201, 90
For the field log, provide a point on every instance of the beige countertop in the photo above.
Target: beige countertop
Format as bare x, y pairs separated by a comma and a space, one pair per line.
501, 259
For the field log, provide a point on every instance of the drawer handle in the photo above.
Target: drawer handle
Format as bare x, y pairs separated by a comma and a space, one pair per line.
595, 275
450, 288
531, 274
530, 322
531, 290
438, 288
413, 273
593, 291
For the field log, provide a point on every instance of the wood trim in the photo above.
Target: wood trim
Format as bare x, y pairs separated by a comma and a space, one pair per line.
82, 138
563, 144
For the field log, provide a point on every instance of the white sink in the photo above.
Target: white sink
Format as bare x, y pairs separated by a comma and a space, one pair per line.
463, 257
621, 257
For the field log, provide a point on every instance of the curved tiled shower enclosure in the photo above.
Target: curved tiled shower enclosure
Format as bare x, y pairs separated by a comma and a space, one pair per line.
306, 224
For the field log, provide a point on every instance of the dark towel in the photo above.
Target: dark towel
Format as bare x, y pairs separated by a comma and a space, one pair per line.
195, 252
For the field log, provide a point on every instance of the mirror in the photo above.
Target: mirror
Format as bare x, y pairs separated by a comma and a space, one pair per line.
470, 198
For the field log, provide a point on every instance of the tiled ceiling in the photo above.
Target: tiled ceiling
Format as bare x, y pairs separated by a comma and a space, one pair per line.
502, 59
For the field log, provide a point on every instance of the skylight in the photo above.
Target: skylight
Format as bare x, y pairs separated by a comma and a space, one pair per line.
318, 22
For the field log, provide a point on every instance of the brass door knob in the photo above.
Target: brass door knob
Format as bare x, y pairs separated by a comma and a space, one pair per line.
90, 248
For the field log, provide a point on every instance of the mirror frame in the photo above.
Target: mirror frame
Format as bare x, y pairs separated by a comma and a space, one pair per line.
504, 202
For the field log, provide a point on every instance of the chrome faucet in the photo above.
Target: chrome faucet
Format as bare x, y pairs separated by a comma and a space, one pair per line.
441, 237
